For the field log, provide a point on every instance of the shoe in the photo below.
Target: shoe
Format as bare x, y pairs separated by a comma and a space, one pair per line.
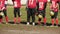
52, 26
33, 24
27, 23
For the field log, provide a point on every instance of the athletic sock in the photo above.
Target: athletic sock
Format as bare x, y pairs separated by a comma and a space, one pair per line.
57, 21
44, 21
6, 19
19, 19
0, 20
53, 22
15, 20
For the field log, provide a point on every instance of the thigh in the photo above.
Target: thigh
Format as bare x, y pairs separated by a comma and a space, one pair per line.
29, 11
18, 11
43, 13
1, 15
39, 12
55, 15
15, 11
5, 12
33, 11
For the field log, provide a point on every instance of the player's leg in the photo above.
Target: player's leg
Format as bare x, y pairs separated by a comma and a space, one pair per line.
56, 18
1, 18
33, 16
39, 19
19, 19
5, 14
15, 9
37, 7
28, 16
52, 19
44, 13
45, 5
44, 16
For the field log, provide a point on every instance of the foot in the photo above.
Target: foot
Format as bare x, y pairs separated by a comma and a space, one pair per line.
33, 24
27, 23
52, 26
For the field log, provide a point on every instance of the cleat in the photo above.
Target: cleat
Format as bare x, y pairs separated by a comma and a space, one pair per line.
27, 23
33, 23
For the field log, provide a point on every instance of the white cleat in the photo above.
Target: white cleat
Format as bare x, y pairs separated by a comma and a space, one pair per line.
27, 23
33, 24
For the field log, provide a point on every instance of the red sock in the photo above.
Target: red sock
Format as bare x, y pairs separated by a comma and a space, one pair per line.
0, 20
18, 19
6, 19
15, 20
57, 21
52, 21
44, 21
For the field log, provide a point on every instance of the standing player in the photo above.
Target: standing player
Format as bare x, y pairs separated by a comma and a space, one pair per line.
41, 10
54, 8
17, 5
31, 5
5, 10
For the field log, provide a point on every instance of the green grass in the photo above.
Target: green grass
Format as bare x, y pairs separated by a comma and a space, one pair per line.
24, 14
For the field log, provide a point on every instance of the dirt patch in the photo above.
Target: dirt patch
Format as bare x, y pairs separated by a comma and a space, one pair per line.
24, 29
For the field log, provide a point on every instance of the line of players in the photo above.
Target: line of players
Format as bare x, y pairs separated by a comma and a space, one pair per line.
31, 10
